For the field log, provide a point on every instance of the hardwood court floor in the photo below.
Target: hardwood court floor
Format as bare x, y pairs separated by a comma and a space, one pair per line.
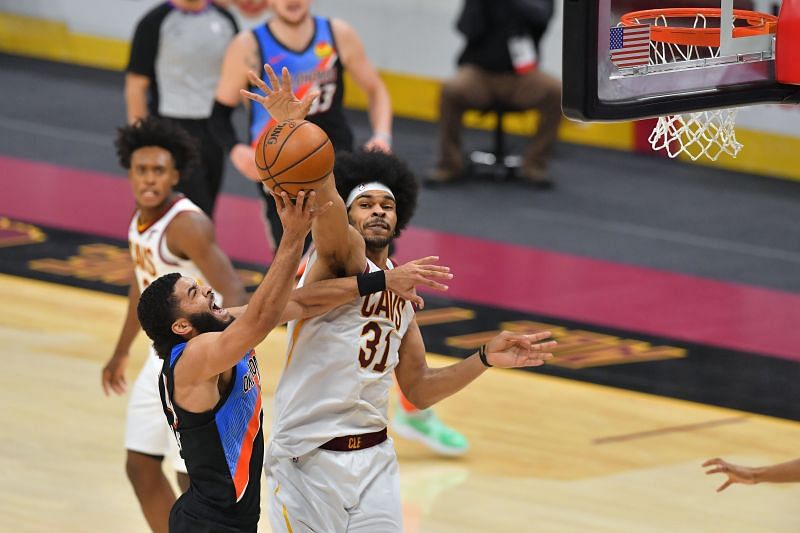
547, 454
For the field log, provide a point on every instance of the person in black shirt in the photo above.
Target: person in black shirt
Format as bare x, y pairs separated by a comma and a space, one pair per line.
172, 73
498, 67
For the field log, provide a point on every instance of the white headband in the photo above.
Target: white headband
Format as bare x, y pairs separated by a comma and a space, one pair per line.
360, 189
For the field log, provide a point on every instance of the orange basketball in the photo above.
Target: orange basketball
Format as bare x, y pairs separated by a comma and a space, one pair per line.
294, 155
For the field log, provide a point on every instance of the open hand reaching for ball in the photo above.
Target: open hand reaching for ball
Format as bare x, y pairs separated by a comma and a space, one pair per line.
280, 101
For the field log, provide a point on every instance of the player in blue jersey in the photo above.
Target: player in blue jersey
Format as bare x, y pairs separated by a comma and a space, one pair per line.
209, 382
316, 51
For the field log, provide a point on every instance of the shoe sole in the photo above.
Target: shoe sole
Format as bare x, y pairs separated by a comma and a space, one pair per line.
410, 434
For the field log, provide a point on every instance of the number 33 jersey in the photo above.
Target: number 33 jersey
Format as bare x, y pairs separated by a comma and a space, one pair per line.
317, 67
338, 371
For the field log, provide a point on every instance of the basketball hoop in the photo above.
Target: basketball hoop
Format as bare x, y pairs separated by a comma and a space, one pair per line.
691, 36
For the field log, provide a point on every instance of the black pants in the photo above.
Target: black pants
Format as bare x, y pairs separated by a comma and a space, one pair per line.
182, 520
202, 183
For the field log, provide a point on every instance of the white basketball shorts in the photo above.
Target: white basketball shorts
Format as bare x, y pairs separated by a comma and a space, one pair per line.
328, 491
146, 428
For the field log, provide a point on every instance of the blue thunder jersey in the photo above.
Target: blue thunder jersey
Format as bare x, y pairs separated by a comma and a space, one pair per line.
317, 67
223, 448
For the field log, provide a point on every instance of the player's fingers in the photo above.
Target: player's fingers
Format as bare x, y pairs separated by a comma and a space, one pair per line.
436, 273
301, 201
286, 80
308, 100
280, 200
716, 470
714, 461
273, 79
540, 336
432, 284
725, 485
104, 382
116, 387
544, 346
426, 260
252, 96
258, 82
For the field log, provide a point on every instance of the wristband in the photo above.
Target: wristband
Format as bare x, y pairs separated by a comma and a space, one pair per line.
482, 355
371, 283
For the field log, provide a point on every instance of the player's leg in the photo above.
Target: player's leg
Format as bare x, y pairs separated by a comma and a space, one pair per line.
310, 493
537, 90
468, 89
425, 427
147, 442
379, 507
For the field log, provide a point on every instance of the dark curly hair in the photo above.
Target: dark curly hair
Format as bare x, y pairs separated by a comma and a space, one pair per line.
154, 131
352, 169
157, 310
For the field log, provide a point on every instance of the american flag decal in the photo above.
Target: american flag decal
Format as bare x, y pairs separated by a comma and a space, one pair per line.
630, 45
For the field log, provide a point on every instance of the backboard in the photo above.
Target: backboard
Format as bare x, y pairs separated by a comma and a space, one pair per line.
628, 59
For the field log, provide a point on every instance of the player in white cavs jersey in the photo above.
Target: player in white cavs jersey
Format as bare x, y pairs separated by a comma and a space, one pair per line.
329, 463
168, 233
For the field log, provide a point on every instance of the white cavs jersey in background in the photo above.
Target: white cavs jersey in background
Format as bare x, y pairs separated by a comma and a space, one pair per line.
151, 256
338, 372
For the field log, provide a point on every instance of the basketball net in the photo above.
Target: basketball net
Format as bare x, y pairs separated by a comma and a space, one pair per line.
708, 133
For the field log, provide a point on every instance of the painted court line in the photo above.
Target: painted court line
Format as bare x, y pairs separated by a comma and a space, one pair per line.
556, 285
671, 429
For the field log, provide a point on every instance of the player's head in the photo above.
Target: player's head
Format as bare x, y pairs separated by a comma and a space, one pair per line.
174, 308
156, 153
292, 12
380, 193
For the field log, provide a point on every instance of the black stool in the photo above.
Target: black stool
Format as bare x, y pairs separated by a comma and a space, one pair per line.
497, 163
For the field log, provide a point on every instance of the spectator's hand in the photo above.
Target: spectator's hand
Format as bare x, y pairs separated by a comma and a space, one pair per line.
405, 279
735, 473
279, 101
113, 376
378, 143
297, 216
512, 350
243, 157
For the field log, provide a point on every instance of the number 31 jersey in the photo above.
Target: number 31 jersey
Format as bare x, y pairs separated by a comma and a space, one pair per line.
338, 372
315, 68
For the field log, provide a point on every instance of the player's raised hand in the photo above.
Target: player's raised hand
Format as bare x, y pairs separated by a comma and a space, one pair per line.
279, 99
424, 272
113, 375
297, 216
735, 473
512, 350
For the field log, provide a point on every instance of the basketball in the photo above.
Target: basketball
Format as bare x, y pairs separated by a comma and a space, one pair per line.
294, 155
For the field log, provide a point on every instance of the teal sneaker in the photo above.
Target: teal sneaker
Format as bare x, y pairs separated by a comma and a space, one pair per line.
425, 427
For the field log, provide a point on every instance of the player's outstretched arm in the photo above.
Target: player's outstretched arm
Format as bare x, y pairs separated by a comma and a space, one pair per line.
210, 354
113, 375
339, 247
424, 386
788, 472
322, 296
